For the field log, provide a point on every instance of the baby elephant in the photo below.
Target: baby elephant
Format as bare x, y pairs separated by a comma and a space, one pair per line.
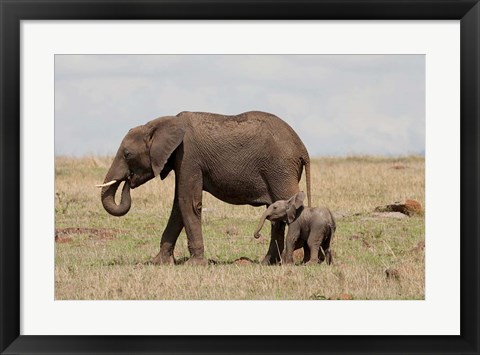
312, 228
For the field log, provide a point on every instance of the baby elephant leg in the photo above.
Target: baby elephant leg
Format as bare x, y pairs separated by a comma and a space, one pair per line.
299, 244
314, 243
290, 241
326, 247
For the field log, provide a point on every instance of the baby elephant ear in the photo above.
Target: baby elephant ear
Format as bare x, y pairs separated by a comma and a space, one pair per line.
299, 198
294, 203
165, 136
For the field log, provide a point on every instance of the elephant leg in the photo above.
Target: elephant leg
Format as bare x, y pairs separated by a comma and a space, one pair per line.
328, 255
326, 248
290, 240
170, 236
276, 244
314, 243
306, 253
190, 202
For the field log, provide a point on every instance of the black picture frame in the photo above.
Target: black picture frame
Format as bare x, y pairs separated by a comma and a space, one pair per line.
12, 12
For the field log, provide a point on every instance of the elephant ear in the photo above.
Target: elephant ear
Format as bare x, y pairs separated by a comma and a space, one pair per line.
293, 204
165, 136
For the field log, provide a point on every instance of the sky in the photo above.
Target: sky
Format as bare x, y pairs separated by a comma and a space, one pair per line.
338, 104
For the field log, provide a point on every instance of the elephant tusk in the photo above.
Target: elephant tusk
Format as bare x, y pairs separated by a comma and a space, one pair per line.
107, 183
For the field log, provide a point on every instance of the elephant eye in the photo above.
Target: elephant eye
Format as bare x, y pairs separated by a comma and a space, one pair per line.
127, 154
274, 207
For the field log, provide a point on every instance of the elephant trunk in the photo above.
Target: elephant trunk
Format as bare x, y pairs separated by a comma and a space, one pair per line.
257, 234
108, 199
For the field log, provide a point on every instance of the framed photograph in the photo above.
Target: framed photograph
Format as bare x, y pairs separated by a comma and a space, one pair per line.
355, 124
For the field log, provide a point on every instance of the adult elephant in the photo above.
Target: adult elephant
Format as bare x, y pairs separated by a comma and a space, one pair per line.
252, 158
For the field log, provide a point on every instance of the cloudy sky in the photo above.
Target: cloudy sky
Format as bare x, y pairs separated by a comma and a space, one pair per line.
338, 104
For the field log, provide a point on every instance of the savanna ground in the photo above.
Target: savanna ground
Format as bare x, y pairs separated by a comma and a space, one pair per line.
98, 256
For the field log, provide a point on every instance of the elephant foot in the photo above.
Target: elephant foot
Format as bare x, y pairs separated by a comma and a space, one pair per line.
195, 260
268, 260
162, 259
312, 262
265, 261
329, 258
287, 258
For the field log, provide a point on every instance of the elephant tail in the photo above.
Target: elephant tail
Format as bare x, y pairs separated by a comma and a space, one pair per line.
333, 223
306, 163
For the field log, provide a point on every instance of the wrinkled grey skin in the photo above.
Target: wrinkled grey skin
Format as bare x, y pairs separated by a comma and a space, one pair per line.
253, 158
312, 228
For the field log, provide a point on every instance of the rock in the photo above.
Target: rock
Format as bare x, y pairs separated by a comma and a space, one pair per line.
243, 261
392, 274
409, 207
59, 239
298, 255
344, 296
413, 207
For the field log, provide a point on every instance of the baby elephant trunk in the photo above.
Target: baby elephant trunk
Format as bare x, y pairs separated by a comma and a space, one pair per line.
257, 234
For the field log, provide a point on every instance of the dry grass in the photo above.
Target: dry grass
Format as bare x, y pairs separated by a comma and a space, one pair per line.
108, 257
